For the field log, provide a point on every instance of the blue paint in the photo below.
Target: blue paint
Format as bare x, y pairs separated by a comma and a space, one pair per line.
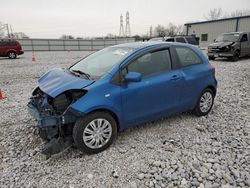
56, 81
150, 98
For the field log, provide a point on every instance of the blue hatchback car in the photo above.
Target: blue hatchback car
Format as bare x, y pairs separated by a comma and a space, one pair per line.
119, 87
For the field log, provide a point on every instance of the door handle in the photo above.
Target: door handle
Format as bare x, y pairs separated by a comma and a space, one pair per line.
175, 77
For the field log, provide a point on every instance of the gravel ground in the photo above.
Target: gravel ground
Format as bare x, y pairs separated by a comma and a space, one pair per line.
180, 151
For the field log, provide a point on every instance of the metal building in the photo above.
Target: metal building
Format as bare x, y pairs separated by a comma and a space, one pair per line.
207, 31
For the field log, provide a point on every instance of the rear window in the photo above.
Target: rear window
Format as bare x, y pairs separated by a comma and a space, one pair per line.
187, 56
4, 43
180, 39
191, 40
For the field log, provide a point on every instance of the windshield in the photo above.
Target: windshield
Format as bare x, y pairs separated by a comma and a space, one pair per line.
99, 63
228, 38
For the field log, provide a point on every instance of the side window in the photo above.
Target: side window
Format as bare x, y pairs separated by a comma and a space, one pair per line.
12, 43
3, 43
170, 40
187, 56
180, 39
151, 63
244, 38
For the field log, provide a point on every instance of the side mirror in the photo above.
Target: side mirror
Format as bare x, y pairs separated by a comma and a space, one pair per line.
133, 77
214, 40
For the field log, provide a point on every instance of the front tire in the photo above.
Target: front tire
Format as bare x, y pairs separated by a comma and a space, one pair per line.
236, 56
12, 55
204, 103
95, 132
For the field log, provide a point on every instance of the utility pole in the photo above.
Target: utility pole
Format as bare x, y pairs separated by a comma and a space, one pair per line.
150, 31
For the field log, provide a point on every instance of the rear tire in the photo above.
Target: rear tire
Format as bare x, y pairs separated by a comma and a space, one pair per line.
204, 103
94, 132
12, 55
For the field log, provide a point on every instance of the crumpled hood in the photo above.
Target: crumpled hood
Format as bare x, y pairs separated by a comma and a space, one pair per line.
220, 44
56, 81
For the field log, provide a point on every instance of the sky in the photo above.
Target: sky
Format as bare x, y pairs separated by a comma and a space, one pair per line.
91, 18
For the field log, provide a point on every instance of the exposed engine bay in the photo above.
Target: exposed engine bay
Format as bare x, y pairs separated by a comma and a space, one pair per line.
55, 119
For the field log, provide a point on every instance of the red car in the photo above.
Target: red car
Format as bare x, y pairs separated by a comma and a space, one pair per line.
10, 48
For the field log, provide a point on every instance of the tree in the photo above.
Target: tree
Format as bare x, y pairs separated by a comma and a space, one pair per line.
2, 29
66, 37
110, 36
171, 29
214, 14
244, 12
160, 31
20, 35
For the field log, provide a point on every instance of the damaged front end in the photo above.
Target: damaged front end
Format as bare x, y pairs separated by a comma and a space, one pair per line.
55, 119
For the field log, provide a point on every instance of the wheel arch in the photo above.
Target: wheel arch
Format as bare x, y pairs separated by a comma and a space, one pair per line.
212, 88
238, 50
10, 50
113, 114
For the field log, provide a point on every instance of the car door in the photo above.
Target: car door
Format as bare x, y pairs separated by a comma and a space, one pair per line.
244, 45
195, 74
158, 92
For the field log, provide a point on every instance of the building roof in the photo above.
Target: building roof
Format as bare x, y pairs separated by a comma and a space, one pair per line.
210, 21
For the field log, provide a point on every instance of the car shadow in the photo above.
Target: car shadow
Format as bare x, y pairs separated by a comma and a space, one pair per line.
227, 60
6, 58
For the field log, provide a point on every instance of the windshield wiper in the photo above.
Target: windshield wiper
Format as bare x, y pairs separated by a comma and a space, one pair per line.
82, 73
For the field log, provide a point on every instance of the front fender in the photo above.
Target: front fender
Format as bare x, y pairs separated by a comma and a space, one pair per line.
100, 98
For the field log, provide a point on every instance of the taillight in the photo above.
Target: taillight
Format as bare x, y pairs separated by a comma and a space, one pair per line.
213, 70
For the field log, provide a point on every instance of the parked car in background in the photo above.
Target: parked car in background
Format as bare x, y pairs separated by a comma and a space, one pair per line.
182, 39
119, 87
159, 39
10, 48
230, 45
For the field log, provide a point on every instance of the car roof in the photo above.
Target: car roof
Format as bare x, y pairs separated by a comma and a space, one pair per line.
141, 45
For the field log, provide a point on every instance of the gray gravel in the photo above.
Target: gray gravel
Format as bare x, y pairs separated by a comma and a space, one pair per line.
180, 151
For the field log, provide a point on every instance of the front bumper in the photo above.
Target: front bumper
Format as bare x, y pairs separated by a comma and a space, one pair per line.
49, 126
20, 52
219, 54
44, 120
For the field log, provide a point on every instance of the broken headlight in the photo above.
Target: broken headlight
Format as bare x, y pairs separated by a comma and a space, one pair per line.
62, 101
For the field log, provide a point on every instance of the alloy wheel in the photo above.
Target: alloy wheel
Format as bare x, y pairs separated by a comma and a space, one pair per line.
12, 55
206, 102
97, 133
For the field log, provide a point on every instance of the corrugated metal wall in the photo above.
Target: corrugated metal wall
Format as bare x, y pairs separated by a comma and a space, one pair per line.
244, 24
72, 45
214, 29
